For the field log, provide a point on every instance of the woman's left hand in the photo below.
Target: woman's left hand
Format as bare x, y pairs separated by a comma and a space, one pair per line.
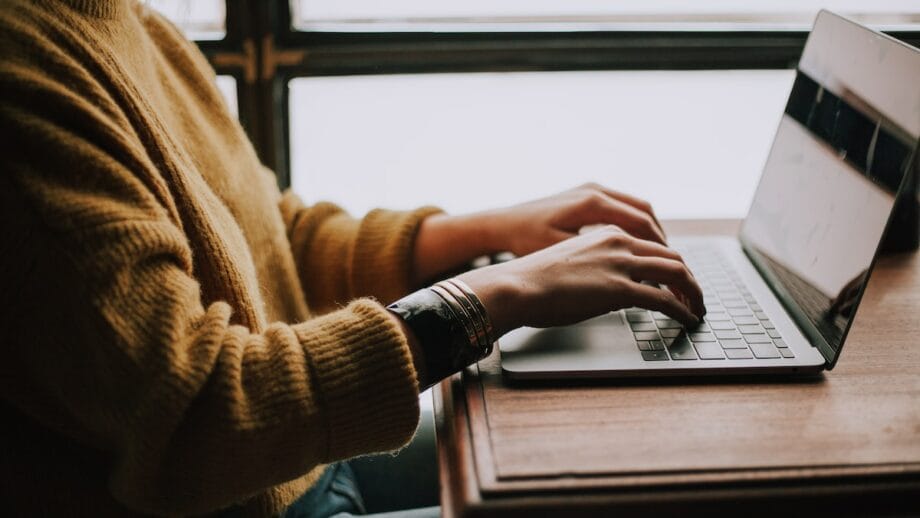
446, 242
528, 227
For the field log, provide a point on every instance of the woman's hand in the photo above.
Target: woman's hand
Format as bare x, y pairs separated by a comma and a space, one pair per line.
528, 227
586, 276
447, 242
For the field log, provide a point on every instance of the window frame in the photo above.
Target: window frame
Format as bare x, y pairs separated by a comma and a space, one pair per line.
263, 51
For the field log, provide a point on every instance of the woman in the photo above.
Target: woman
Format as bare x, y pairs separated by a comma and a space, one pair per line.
183, 338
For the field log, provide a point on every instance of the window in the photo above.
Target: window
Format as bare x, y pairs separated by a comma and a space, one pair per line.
202, 20
471, 104
513, 15
691, 142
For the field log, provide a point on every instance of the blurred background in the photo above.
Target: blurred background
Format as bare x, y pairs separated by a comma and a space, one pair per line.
475, 104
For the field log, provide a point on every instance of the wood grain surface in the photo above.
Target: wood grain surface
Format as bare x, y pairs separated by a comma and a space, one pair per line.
847, 438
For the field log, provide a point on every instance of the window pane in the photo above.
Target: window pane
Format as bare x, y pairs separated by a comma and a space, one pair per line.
691, 142
363, 15
198, 19
227, 86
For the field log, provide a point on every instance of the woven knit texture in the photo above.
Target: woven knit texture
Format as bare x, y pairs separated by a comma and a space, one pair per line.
180, 335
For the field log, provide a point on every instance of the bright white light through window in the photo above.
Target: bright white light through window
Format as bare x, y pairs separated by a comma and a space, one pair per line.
588, 14
227, 87
691, 142
198, 19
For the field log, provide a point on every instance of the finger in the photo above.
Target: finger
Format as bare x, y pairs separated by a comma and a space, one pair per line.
645, 248
598, 226
657, 299
642, 248
675, 275
630, 200
630, 219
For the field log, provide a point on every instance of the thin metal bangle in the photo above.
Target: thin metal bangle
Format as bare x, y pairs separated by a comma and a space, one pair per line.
481, 338
458, 312
487, 323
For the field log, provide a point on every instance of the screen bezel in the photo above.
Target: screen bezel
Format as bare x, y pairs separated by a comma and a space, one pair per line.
808, 328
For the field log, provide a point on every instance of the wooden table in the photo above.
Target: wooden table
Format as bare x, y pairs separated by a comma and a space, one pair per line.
846, 442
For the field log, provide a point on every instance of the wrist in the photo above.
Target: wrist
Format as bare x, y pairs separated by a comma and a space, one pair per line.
415, 349
446, 326
501, 293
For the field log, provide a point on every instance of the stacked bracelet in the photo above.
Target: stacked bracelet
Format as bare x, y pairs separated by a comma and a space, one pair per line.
450, 323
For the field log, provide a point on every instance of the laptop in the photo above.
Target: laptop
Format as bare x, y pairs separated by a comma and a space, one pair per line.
780, 297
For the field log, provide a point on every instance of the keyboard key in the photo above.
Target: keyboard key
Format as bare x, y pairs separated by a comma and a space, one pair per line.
670, 333
728, 335
709, 351
659, 316
646, 335
741, 321
681, 349
774, 334
702, 337
644, 345
717, 316
740, 312
654, 356
761, 315
642, 326
656, 345
767, 324
758, 339
786, 352
639, 317
748, 330
734, 303
722, 325
713, 308
668, 323
780, 343
733, 344
764, 351
738, 354
756, 307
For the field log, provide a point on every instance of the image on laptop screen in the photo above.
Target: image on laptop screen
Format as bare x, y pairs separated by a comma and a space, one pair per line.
831, 180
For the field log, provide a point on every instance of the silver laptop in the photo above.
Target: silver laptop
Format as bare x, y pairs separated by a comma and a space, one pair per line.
780, 297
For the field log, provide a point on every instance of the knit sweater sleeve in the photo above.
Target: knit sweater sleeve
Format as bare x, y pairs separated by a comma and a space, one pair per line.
109, 343
371, 256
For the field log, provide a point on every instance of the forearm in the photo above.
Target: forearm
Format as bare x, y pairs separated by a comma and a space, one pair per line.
446, 243
340, 258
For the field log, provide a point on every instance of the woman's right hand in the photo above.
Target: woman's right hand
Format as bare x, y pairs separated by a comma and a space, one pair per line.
586, 276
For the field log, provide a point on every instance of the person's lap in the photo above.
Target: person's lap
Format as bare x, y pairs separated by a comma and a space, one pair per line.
384, 486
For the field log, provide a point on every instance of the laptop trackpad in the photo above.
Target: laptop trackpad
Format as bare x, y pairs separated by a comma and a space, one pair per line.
582, 344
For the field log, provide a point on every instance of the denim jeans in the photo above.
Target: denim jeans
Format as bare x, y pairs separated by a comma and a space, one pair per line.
335, 493
404, 485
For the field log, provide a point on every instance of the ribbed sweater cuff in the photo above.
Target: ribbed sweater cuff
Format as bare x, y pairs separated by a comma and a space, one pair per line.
382, 261
365, 377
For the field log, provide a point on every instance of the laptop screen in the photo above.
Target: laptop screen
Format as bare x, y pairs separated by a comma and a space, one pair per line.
845, 145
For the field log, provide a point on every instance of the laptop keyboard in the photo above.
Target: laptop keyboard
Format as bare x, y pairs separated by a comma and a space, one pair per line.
734, 328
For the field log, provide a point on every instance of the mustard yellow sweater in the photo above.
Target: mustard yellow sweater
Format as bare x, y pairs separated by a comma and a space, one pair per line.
159, 355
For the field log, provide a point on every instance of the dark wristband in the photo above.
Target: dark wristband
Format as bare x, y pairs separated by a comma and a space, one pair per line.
440, 332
